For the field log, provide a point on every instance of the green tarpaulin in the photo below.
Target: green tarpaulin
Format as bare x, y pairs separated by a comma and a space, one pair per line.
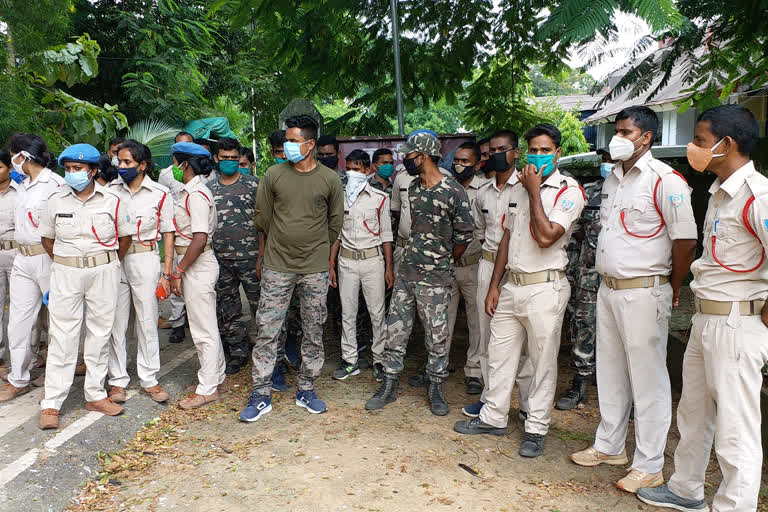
213, 127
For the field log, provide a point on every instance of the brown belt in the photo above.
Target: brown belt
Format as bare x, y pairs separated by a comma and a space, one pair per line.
180, 250
489, 256
637, 282
714, 307
544, 276
7, 245
361, 254
401, 242
137, 248
31, 250
86, 261
466, 261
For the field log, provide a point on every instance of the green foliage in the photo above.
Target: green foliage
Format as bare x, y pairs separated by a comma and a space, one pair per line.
157, 135
565, 82
71, 63
70, 120
573, 141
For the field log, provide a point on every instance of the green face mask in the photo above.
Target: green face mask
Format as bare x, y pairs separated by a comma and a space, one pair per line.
178, 174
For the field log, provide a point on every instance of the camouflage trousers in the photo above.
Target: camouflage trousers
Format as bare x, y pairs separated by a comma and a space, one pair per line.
229, 308
432, 303
276, 291
583, 329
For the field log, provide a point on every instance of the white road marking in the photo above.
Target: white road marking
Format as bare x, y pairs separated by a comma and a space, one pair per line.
15, 468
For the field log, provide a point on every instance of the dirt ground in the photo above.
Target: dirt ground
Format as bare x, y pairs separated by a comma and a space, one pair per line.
399, 459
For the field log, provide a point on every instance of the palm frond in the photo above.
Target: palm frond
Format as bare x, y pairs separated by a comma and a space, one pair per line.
157, 135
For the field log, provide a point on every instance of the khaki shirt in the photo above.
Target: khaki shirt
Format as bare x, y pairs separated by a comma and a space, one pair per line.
8, 201
473, 189
30, 205
367, 222
631, 194
84, 228
401, 204
149, 211
734, 246
195, 212
490, 210
525, 255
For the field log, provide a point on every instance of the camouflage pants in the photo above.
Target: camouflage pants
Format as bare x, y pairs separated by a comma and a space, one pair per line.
583, 329
432, 303
276, 291
229, 308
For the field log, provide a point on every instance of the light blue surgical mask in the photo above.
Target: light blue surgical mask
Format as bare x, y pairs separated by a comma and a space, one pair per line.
228, 167
293, 151
77, 180
540, 161
606, 169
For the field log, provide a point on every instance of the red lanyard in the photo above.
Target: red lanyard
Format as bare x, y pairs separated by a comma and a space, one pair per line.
138, 226
29, 214
186, 207
378, 213
559, 193
116, 238
745, 219
658, 210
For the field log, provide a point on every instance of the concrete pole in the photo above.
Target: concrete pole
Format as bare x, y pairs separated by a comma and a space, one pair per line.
398, 78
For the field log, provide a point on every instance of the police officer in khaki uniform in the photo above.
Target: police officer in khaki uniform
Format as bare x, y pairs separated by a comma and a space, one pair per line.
31, 271
149, 208
644, 252
364, 251
9, 185
490, 211
729, 339
530, 307
196, 274
82, 229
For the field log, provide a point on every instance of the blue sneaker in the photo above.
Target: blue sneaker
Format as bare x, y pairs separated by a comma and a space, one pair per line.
661, 496
309, 400
472, 410
258, 406
278, 380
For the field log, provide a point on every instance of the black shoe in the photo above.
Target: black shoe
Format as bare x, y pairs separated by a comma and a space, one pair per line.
532, 446
177, 335
436, 399
574, 396
235, 364
474, 386
418, 381
386, 394
476, 426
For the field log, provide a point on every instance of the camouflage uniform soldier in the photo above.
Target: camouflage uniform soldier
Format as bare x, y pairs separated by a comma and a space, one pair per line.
583, 324
235, 244
442, 227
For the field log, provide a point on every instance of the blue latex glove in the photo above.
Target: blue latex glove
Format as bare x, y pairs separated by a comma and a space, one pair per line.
46, 298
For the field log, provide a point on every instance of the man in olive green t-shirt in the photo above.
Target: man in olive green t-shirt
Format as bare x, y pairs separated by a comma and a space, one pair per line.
300, 208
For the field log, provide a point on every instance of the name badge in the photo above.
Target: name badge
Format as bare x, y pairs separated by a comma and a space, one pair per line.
513, 205
604, 196
65, 215
484, 210
346, 212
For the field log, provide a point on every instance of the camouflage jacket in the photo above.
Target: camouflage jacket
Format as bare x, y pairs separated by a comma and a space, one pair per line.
236, 235
441, 218
589, 224
377, 185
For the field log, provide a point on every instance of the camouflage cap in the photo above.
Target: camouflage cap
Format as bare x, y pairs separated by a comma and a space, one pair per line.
423, 142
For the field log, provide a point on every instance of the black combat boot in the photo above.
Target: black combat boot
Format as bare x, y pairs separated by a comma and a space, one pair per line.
386, 394
436, 399
574, 396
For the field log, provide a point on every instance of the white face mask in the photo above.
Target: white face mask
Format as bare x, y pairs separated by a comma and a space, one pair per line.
18, 167
115, 161
622, 149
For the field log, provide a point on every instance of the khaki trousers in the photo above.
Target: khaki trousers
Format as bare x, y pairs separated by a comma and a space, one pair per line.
71, 290
140, 274
6, 265
526, 316
368, 274
721, 402
465, 284
30, 279
525, 368
198, 287
631, 354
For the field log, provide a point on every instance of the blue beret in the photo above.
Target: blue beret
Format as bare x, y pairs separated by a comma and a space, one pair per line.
84, 153
190, 148
423, 130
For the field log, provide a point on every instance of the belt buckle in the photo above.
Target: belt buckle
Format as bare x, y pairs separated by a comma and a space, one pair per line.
85, 261
515, 279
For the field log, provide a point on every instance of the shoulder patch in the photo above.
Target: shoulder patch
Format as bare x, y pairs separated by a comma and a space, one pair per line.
567, 205
676, 200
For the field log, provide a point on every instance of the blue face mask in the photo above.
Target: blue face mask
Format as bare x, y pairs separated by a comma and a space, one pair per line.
228, 167
128, 174
293, 151
18, 177
540, 161
606, 169
244, 170
386, 171
280, 160
77, 180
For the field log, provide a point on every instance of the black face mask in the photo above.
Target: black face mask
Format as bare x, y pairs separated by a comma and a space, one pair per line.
329, 161
466, 172
410, 166
497, 162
